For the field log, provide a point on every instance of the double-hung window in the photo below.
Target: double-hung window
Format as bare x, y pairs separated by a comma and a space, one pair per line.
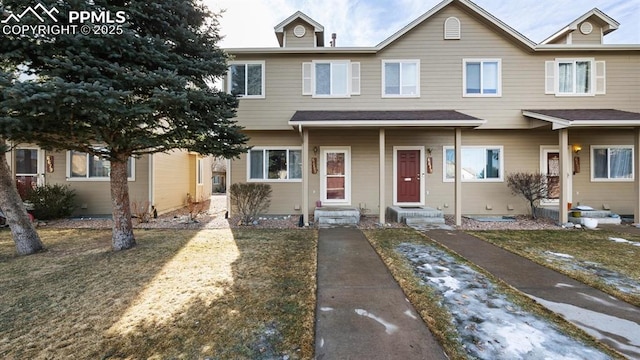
575, 77
331, 78
612, 163
84, 166
400, 78
274, 164
479, 163
482, 77
246, 79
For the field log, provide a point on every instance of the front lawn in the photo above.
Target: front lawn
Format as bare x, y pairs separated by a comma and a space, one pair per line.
442, 319
244, 294
585, 255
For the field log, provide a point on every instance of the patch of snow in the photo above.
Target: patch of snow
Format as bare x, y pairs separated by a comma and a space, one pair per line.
488, 323
560, 255
619, 281
389, 327
619, 240
624, 241
410, 314
627, 333
561, 285
583, 207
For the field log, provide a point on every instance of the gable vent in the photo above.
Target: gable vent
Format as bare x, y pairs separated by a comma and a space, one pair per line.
299, 31
586, 28
452, 28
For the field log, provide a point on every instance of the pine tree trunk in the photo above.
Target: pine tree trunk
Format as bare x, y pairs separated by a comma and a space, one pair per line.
24, 234
122, 236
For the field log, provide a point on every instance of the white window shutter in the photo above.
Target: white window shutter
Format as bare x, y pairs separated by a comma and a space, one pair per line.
307, 68
601, 82
549, 77
355, 78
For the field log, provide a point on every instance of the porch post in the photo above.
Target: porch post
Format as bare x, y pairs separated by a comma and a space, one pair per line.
305, 176
458, 180
383, 205
636, 176
565, 168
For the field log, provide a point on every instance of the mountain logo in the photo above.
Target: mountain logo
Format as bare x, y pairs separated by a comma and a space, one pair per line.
39, 11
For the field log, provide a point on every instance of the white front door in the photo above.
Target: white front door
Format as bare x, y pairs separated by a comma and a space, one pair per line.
29, 165
550, 166
335, 176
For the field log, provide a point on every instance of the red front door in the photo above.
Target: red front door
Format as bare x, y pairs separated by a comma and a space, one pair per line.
408, 176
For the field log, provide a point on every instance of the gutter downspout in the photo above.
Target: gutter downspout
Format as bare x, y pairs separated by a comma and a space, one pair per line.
151, 181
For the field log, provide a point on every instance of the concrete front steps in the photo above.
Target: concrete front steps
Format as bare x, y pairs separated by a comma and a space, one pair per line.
336, 216
603, 216
418, 215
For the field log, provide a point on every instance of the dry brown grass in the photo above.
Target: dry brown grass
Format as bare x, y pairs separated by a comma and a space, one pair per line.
179, 294
591, 246
427, 302
423, 298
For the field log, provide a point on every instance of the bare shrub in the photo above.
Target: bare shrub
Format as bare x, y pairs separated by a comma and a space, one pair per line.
250, 199
142, 210
194, 207
531, 186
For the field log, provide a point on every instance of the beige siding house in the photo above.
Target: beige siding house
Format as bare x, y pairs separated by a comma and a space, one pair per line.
164, 180
439, 114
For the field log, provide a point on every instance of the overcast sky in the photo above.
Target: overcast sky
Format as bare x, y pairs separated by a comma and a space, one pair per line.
249, 23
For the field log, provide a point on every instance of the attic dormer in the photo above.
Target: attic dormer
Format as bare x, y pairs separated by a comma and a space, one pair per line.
299, 30
588, 29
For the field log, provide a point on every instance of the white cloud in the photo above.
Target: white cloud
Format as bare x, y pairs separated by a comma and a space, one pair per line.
249, 23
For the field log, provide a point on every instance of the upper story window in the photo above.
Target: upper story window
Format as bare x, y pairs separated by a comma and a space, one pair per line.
612, 163
575, 77
482, 77
246, 79
336, 78
400, 78
479, 163
274, 164
84, 166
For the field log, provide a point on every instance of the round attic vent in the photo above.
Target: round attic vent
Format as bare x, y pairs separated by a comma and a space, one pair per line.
586, 28
299, 31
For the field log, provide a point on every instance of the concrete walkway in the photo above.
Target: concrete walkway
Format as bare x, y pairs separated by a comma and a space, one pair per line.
361, 311
612, 321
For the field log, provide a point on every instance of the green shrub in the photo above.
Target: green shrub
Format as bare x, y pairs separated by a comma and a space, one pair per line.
52, 201
250, 199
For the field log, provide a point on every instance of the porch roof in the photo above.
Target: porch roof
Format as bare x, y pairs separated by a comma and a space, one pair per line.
565, 118
383, 118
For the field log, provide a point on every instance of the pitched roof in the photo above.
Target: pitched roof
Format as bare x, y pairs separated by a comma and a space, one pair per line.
474, 9
563, 118
611, 25
358, 118
299, 15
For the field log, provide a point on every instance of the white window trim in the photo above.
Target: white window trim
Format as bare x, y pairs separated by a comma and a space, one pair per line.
401, 61
265, 169
485, 147
481, 61
347, 173
592, 165
41, 163
556, 76
313, 79
422, 176
99, 179
200, 171
262, 63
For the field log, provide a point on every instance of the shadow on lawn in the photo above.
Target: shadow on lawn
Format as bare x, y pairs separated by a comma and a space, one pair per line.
263, 309
188, 294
